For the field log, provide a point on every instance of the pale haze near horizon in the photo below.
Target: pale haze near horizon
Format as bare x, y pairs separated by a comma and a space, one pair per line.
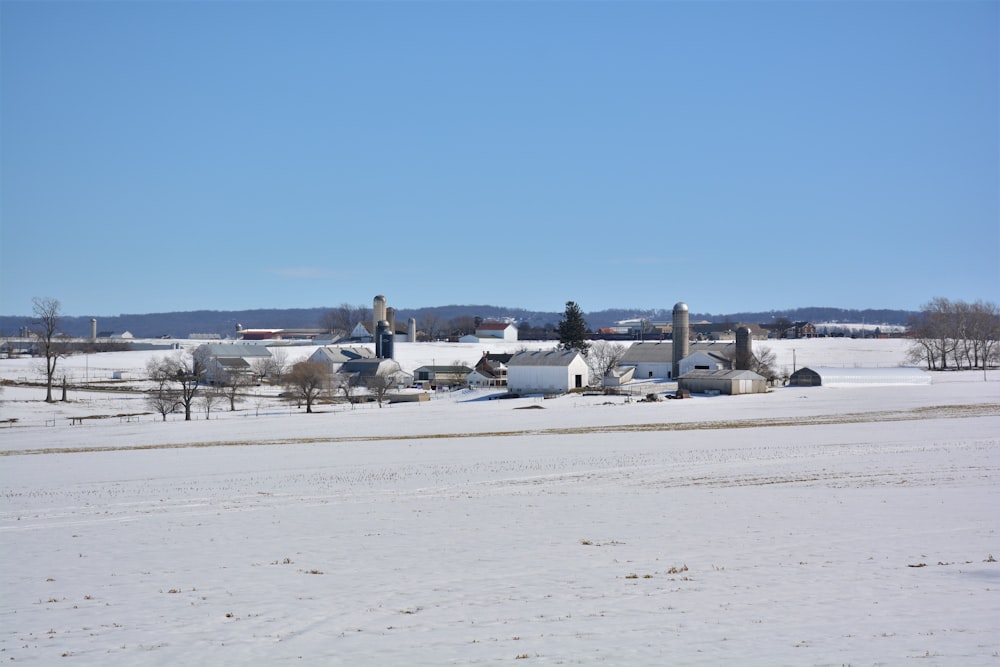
738, 156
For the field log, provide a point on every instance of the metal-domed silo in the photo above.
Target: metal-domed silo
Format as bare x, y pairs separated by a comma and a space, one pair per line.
744, 349
383, 340
681, 335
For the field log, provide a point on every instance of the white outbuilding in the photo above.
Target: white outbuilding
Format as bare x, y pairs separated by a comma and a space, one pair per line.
546, 372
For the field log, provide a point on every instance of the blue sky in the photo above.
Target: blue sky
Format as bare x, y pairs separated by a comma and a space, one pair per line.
160, 156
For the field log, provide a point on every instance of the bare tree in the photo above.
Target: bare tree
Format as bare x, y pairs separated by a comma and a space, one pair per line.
346, 384
163, 401
604, 355
230, 384
209, 399
430, 324
955, 334
45, 327
462, 325
308, 381
343, 318
273, 367
380, 385
182, 371
762, 363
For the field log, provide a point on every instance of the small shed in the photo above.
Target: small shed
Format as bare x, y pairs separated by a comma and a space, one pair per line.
817, 376
731, 383
619, 376
441, 376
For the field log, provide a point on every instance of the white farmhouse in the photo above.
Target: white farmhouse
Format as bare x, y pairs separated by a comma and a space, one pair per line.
546, 372
491, 330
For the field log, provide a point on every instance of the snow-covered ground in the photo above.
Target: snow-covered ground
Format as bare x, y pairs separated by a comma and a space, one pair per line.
819, 526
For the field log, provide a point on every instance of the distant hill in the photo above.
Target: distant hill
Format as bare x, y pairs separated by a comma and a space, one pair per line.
223, 323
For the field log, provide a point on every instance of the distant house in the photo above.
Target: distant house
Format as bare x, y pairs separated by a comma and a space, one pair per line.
490, 371
222, 360
279, 334
435, 377
800, 330
490, 330
722, 381
364, 332
824, 376
546, 372
335, 357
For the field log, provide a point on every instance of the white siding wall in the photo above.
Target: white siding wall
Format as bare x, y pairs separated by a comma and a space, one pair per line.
656, 370
546, 379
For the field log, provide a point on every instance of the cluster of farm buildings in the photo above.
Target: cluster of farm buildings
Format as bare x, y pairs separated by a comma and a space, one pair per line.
697, 366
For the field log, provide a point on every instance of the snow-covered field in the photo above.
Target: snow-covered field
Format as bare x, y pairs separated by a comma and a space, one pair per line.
819, 526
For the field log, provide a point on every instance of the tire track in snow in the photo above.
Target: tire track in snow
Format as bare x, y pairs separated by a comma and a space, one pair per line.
915, 414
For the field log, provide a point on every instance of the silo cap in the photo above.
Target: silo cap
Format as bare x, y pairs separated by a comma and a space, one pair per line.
680, 306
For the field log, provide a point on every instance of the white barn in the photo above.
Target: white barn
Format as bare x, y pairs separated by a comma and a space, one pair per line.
655, 360
546, 372
335, 357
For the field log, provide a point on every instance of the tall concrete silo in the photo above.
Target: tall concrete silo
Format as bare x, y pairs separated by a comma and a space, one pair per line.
390, 317
378, 313
411, 330
681, 335
744, 349
93, 328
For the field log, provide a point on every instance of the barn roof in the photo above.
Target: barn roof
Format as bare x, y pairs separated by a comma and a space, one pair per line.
235, 350
340, 354
544, 358
494, 326
663, 351
702, 374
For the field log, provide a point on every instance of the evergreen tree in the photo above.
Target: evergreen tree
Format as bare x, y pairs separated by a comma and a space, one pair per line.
573, 329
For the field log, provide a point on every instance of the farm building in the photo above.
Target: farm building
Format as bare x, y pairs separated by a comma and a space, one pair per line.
224, 361
654, 360
334, 357
827, 376
361, 371
489, 330
490, 371
722, 381
546, 372
441, 376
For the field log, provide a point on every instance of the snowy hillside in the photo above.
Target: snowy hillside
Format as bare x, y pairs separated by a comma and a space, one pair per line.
806, 526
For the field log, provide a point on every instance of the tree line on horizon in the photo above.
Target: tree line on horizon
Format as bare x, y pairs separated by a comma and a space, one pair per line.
437, 321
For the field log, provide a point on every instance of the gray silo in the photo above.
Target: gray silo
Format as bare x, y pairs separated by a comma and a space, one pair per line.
390, 317
744, 349
93, 328
411, 330
681, 335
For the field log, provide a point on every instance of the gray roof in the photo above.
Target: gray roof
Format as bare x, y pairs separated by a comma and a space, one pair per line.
235, 350
663, 351
444, 369
343, 354
544, 358
720, 375
370, 367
